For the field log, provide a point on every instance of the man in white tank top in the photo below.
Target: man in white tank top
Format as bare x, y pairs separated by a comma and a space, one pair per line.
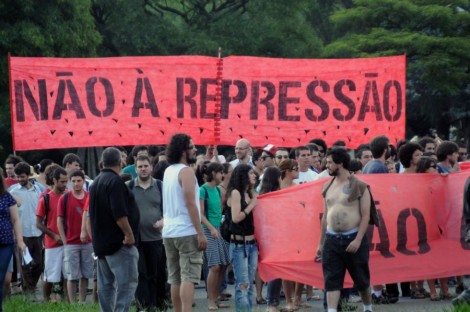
182, 232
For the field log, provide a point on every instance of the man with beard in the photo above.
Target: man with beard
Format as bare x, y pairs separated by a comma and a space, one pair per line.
114, 219
343, 244
182, 233
46, 221
150, 293
29, 192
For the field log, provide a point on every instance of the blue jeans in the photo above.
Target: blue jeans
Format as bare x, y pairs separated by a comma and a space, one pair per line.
117, 279
6, 251
274, 292
244, 260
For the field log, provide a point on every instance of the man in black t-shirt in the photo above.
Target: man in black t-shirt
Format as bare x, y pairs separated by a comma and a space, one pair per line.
114, 221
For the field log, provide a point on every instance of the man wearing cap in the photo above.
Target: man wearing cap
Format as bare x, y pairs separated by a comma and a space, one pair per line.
267, 157
243, 153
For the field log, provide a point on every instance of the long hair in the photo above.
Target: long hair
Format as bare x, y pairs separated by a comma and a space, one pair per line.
287, 164
424, 164
240, 180
270, 181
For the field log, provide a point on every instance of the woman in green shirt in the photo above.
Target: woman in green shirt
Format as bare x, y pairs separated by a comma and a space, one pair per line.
217, 253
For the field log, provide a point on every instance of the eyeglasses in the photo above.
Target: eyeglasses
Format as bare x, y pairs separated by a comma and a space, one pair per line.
294, 169
240, 148
265, 157
282, 156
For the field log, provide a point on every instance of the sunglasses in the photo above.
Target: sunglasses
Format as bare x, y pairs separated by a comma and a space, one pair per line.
282, 156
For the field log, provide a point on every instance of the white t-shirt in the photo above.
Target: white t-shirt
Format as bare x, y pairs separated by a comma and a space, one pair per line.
306, 176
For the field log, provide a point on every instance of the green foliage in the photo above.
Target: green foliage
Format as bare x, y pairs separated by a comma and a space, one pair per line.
435, 36
41, 28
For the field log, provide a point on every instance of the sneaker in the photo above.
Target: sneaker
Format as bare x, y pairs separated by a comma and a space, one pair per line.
354, 299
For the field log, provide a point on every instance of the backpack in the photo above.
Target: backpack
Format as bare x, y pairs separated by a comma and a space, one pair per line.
225, 231
131, 185
206, 198
47, 208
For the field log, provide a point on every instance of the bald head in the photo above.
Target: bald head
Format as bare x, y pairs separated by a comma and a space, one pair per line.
243, 150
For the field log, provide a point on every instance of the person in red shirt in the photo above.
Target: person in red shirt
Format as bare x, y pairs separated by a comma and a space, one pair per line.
46, 221
10, 163
77, 252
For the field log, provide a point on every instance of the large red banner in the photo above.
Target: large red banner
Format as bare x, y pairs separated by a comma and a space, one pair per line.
58, 103
420, 236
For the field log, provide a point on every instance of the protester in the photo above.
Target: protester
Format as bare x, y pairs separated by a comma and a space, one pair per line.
272, 182
150, 294
9, 224
40, 170
46, 221
289, 174
217, 253
380, 149
182, 233
241, 199
29, 193
137, 150
114, 219
243, 153
343, 244
78, 259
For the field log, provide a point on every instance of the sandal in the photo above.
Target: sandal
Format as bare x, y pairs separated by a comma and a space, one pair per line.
221, 305
226, 295
417, 295
447, 296
435, 298
288, 309
261, 301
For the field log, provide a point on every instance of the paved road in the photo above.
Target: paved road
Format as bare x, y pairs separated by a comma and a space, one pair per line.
404, 304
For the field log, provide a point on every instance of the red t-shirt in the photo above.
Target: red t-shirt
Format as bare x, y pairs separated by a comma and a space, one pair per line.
73, 214
9, 181
49, 242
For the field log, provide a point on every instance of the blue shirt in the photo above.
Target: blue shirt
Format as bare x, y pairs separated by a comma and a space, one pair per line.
374, 166
6, 228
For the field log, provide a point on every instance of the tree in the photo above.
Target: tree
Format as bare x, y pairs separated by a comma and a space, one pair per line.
435, 36
53, 28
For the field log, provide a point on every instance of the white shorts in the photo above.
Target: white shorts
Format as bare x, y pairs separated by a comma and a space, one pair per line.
53, 264
78, 261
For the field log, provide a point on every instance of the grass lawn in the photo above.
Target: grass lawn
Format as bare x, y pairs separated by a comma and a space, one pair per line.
24, 304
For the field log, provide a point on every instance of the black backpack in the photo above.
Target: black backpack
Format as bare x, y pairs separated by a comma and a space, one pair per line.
226, 223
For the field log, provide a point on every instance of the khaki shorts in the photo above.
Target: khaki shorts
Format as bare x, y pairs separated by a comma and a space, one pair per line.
184, 260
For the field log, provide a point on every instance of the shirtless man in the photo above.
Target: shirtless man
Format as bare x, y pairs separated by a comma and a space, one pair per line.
343, 244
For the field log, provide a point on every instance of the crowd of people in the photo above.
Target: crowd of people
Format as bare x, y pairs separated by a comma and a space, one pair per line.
148, 227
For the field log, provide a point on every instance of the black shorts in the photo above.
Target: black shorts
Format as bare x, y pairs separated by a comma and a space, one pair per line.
335, 262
